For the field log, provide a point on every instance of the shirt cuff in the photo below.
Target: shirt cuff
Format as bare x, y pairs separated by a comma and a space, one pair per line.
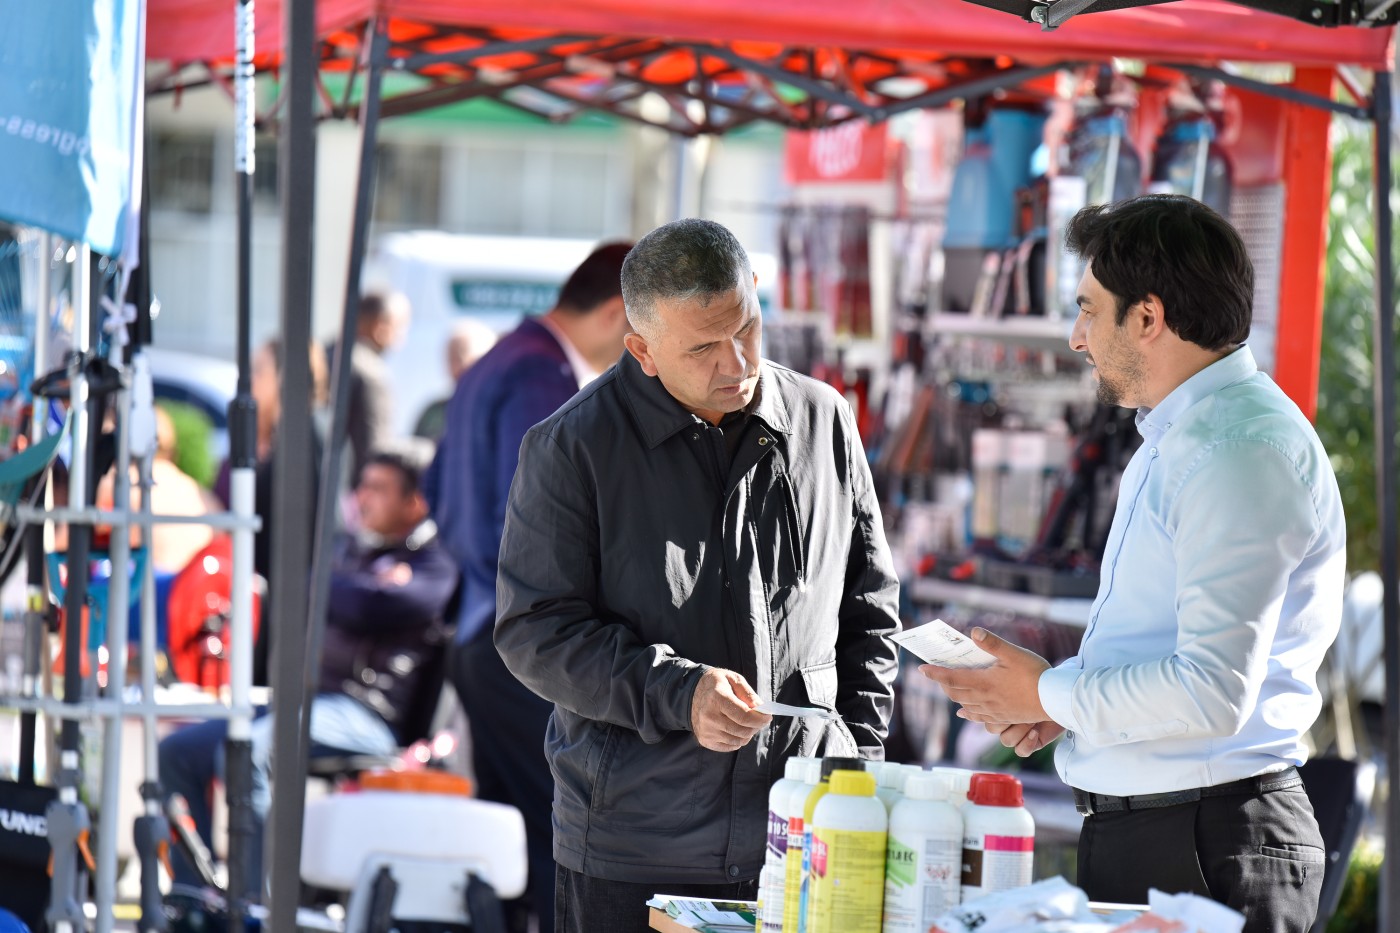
1056, 689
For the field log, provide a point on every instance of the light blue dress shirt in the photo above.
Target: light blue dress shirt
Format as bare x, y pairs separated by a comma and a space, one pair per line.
1221, 591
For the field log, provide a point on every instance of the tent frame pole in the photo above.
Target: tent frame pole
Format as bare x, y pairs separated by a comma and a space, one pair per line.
1384, 351
291, 494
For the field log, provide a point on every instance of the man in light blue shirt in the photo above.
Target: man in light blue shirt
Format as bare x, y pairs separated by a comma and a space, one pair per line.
1183, 713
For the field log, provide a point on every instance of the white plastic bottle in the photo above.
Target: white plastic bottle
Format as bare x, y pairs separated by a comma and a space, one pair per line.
998, 837
780, 809
891, 784
848, 857
770, 905
959, 783
923, 867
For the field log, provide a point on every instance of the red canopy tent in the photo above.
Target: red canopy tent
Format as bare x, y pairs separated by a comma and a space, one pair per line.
800, 63
1201, 31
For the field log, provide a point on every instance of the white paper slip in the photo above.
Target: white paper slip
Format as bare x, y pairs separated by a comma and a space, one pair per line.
783, 709
939, 643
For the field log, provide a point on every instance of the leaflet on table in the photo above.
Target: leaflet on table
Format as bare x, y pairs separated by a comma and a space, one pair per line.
939, 643
706, 915
782, 709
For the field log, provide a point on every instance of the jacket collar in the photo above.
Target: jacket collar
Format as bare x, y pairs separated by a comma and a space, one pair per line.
659, 415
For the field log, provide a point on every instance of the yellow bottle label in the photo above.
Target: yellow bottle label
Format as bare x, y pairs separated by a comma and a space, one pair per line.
848, 881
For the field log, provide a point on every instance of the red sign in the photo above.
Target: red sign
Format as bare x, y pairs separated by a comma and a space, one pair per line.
850, 151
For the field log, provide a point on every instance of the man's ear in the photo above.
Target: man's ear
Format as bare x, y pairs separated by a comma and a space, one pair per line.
636, 345
1149, 318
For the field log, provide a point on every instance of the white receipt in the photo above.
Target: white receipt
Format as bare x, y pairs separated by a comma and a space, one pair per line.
782, 709
939, 643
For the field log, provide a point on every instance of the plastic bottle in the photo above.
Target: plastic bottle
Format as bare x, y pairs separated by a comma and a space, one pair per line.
890, 789
848, 856
769, 917
1189, 161
796, 845
781, 806
923, 867
998, 837
804, 894
959, 783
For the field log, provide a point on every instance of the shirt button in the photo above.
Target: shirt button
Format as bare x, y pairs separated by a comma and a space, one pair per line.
762, 440
1154, 451
726, 584
695, 437
1123, 736
733, 871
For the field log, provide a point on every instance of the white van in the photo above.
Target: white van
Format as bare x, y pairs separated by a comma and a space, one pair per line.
494, 279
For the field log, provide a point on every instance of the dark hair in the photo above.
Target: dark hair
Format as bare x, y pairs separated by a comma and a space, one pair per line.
408, 460
596, 280
375, 303
682, 260
1178, 249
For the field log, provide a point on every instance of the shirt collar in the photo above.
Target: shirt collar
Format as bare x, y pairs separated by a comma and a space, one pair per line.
660, 415
583, 372
1152, 423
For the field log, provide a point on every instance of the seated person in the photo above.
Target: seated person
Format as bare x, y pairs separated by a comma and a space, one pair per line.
388, 590
173, 492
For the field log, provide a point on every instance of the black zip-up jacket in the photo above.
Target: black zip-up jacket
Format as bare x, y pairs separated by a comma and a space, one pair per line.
633, 561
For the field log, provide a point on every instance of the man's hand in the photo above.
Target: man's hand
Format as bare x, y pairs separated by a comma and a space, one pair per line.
1006, 692
722, 713
1024, 737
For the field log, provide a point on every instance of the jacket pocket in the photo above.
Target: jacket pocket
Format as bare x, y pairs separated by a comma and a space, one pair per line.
825, 737
821, 683
782, 554
649, 788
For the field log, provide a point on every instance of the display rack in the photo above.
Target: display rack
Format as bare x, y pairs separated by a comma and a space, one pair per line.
1033, 333
973, 596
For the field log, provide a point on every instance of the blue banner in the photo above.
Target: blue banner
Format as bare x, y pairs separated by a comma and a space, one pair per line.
68, 76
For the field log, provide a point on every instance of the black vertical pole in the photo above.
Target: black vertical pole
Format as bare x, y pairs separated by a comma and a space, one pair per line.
291, 499
1385, 492
377, 47
243, 456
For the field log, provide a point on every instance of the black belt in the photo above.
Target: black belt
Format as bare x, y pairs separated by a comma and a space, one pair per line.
1089, 804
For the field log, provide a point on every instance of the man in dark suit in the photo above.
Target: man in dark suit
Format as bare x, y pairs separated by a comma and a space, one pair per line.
524, 378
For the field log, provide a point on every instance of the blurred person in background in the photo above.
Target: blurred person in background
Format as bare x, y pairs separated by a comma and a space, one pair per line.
173, 492
389, 588
524, 378
469, 342
380, 324
266, 385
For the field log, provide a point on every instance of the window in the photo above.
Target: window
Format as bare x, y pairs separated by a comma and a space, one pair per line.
182, 172
408, 184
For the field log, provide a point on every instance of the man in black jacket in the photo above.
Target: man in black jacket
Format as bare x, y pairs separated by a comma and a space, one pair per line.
389, 587
692, 534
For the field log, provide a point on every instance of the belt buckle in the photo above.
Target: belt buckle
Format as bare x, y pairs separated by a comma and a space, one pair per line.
1084, 803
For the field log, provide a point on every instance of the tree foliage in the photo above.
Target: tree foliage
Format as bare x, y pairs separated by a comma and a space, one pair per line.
1346, 395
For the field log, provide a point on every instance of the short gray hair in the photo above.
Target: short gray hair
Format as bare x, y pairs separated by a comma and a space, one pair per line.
680, 261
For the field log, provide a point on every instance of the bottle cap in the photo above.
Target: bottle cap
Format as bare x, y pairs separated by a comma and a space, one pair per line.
841, 764
892, 775
926, 787
796, 768
995, 790
853, 783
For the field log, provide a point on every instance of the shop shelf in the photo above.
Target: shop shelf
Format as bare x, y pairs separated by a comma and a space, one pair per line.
972, 596
1036, 333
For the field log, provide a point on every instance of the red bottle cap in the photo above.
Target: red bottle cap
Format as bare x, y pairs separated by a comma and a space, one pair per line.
995, 790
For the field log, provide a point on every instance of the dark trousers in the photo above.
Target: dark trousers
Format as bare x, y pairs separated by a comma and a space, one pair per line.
592, 905
507, 727
1259, 853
